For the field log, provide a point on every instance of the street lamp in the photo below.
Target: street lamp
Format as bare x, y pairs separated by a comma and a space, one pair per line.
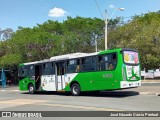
107, 21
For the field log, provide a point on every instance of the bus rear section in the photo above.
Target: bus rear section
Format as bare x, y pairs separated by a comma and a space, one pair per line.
130, 69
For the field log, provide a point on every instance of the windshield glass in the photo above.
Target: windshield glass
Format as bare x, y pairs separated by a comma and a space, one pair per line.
130, 57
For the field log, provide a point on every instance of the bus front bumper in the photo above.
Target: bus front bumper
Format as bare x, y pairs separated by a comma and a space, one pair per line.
127, 84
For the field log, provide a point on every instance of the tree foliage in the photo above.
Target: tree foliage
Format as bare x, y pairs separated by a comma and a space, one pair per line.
143, 34
78, 35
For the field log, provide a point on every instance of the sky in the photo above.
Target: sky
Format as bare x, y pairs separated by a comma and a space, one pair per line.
29, 13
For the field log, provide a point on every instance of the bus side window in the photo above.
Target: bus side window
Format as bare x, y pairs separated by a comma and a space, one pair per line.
23, 71
99, 63
107, 61
113, 61
72, 66
102, 61
78, 65
88, 64
48, 69
31, 71
111, 66
114, 57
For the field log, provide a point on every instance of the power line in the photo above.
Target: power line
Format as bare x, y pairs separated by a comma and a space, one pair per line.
99, 9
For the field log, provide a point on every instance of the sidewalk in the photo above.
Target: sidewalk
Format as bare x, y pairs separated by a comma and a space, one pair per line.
146, 90
148, 87
151, 81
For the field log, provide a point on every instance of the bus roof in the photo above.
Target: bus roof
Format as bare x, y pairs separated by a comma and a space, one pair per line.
62, 57
36, 62
78, 55
71, 56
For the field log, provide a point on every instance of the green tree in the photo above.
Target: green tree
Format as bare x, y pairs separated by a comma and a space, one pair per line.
142, 33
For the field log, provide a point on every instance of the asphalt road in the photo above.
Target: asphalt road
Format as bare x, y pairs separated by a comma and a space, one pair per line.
12, 100
151, 84
107, 101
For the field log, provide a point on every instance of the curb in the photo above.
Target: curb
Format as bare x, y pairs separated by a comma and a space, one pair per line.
157, 94
149, 82
149, 93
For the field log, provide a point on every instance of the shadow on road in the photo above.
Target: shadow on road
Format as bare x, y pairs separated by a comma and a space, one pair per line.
116, 94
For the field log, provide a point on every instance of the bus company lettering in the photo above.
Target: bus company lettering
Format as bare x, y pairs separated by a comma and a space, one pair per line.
108, 75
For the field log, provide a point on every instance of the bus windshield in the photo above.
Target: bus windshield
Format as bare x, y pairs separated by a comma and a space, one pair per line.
130, 57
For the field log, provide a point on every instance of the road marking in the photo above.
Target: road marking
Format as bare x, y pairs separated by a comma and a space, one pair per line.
22, 101
3, 90
17, 102
83, 107
10, 90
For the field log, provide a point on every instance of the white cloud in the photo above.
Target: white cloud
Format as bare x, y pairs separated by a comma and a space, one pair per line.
111, 6
57, 12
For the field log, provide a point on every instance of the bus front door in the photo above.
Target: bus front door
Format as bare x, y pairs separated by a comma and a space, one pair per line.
38, 73
59, 72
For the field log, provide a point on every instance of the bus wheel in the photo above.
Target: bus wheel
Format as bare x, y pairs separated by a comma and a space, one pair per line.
75, 89
31, 89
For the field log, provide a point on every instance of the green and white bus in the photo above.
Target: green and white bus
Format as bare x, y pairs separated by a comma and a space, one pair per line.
78, 72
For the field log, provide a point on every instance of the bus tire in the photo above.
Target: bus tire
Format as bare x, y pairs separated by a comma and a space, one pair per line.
75, 89
31, 89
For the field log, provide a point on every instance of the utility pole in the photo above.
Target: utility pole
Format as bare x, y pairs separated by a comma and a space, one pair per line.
96, 43
106, 20
106, 24
106, 29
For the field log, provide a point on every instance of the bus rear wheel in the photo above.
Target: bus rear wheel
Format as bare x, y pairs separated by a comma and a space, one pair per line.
75, 89
31, 89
